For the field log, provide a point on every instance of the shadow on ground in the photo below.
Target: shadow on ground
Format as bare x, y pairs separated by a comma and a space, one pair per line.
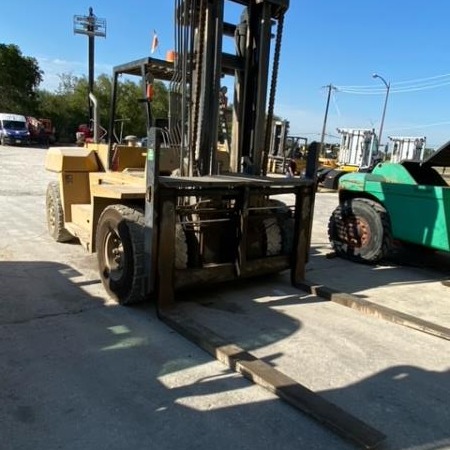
80, 375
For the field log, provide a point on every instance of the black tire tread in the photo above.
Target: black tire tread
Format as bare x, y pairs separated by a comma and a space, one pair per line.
135, 221
59, 233
336, 220
286, 224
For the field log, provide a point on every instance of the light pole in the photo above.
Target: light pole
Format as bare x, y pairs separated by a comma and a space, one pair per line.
388, 87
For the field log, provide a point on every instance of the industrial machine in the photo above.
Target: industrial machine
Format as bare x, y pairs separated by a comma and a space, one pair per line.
358, 151
287, 153
193, 207
41, 131
186, 211
406, 202
407, 147
277, 156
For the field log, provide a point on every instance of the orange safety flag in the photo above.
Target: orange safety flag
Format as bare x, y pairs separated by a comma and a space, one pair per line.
155, 42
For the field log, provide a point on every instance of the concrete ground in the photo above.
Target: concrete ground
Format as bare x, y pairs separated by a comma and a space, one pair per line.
78, 372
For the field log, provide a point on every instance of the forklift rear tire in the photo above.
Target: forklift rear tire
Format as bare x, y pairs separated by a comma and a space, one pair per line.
359, 230
120, 253
55, 214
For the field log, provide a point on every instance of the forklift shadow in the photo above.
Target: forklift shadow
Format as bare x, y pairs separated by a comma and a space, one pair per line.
407, 266
128, 382
408, 403
30, 290
122, 377
243, 302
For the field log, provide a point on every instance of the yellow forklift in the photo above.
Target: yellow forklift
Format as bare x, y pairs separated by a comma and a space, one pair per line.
358, 152
184, 211
287, 153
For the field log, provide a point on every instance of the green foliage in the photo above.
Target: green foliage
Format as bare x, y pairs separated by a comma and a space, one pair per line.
20, 76
68, 106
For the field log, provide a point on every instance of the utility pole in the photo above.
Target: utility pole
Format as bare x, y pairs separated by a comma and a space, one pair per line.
322, 139
92, 27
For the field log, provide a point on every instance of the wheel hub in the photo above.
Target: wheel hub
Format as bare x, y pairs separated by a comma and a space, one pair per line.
114, 255
356, 232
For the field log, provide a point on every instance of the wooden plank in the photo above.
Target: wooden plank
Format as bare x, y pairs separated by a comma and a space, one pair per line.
273, 380
373, 309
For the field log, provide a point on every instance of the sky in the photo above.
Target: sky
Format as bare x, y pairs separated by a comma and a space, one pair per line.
342, 43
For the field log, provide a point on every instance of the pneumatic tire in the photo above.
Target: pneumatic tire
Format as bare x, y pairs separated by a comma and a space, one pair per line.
120, 253
55, 214
359, 230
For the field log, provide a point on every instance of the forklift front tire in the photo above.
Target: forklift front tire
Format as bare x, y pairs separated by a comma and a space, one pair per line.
120, 253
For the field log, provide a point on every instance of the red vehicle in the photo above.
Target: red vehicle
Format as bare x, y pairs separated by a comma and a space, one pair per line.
41, 131
84, 134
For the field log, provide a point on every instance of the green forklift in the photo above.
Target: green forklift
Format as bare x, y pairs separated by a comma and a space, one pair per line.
406, 202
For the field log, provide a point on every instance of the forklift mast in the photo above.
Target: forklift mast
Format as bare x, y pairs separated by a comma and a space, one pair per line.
195, 90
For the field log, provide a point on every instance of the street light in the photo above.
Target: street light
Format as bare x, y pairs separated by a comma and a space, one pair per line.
388, 87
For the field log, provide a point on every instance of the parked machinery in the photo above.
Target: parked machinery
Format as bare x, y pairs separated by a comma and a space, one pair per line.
186, 211
287, 153
406, 202
278, 152
41, 131
358, 152
407, 147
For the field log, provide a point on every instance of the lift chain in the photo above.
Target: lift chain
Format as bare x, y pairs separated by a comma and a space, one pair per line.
196, 103
273, 88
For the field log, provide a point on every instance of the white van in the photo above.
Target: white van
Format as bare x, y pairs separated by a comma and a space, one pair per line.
13, 129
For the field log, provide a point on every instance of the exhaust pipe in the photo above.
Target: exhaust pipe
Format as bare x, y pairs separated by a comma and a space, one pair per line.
94, 101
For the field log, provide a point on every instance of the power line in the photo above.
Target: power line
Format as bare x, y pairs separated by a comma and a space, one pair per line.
417, 80
415, 85
428, 125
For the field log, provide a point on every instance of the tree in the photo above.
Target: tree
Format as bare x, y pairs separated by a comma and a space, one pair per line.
20, 77
68, 106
